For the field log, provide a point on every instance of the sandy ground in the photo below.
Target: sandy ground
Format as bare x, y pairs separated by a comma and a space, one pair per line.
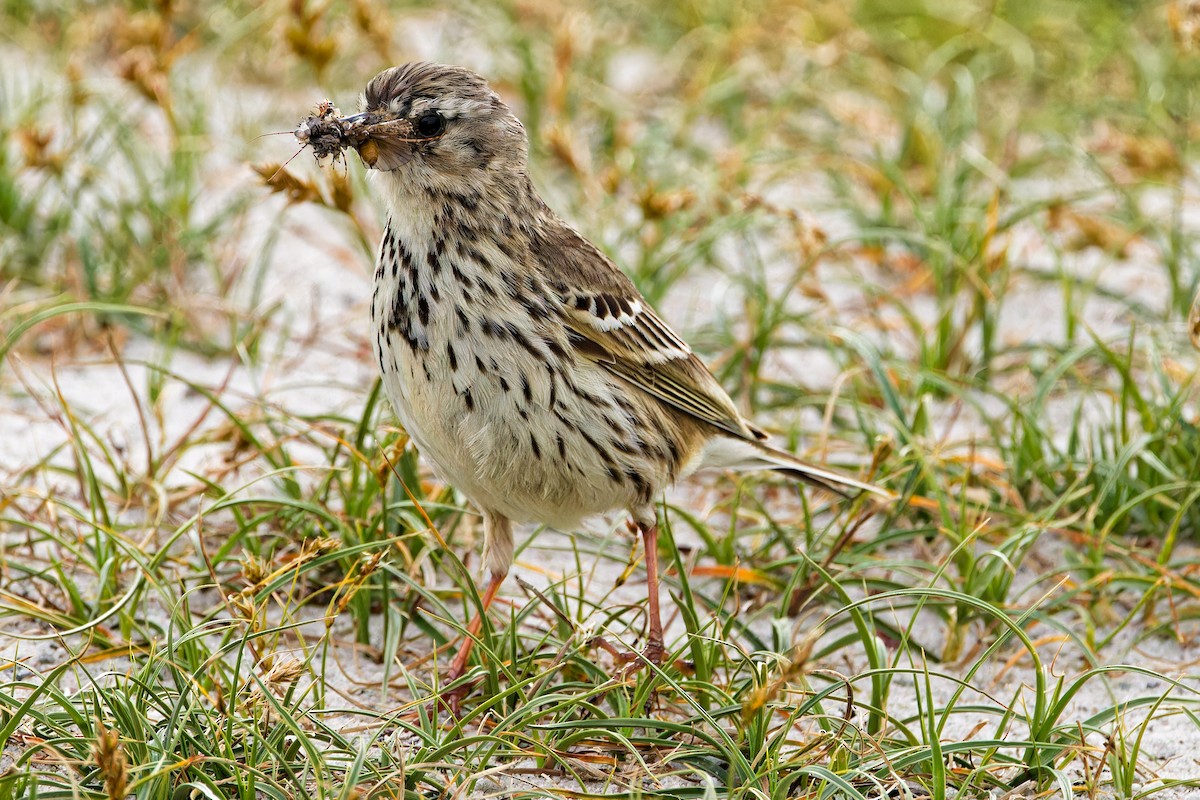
322, 364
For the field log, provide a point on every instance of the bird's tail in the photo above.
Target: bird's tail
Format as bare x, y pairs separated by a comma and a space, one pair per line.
745, 454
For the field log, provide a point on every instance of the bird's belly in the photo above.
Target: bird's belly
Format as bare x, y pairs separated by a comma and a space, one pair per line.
518, 437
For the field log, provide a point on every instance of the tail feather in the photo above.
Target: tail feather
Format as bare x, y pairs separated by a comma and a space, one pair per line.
725, 452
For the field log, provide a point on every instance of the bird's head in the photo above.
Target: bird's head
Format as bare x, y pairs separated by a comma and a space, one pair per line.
436, 126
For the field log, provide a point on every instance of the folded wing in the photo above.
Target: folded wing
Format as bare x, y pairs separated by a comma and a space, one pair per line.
614, 326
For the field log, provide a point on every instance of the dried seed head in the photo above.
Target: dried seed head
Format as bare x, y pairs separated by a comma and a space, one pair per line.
110, 758
242, 604
1183, 17
254, 570
283, 673
317, 546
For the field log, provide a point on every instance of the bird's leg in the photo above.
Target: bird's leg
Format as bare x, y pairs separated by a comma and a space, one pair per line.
497, 559
459, 665
654, 652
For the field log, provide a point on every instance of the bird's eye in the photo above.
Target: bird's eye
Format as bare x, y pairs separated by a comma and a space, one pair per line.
430, 124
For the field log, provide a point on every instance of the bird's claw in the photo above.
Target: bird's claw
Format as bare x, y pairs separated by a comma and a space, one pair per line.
451, 700
632, 661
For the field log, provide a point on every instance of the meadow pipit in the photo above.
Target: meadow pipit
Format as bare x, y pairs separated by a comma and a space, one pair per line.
524, 364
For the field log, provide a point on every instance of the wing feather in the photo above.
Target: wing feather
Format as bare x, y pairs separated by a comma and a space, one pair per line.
618, 329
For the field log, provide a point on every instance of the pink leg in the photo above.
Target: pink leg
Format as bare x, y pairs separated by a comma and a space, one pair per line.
459, 665
654, 651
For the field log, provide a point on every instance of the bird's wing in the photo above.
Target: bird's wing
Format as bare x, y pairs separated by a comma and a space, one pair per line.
613, 325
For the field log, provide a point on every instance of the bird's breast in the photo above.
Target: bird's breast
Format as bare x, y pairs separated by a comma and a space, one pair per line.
478, 365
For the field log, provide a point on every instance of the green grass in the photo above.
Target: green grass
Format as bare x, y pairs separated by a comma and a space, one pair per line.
247, 590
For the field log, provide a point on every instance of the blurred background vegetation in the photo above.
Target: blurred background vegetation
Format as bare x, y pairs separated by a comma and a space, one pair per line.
129, 126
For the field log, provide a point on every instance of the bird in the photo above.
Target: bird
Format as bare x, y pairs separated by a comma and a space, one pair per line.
527, 368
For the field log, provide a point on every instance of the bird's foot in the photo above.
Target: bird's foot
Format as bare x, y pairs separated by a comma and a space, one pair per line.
452, 699
653, 653
449, 699
632, 661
